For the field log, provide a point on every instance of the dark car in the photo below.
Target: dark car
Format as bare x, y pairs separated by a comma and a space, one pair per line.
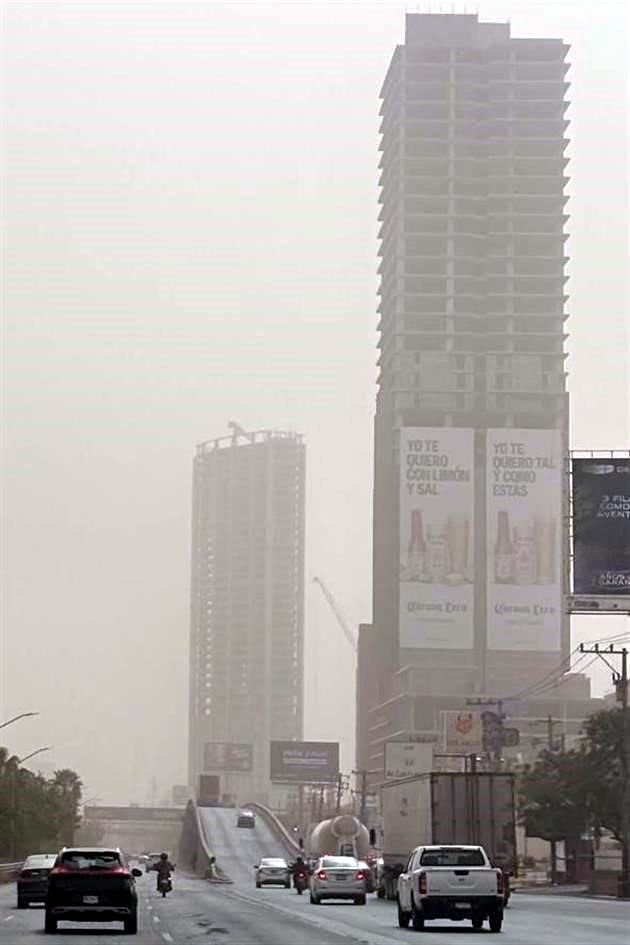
246, 818
92, 884
32, 881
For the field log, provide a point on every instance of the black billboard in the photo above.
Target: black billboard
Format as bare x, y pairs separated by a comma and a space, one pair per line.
227, 756
304, 762
601, 526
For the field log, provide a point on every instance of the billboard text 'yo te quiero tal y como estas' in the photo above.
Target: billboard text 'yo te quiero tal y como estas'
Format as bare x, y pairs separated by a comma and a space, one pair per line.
524, 516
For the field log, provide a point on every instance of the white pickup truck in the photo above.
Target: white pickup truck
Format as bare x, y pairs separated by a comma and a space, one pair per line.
450, 882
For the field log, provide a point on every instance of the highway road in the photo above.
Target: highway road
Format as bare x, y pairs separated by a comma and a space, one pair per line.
240, 914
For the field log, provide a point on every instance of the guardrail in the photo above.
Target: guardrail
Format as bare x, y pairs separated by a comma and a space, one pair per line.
8, 871
277, 827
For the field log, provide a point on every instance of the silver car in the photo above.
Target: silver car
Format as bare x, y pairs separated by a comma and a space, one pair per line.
273, 871
338, 877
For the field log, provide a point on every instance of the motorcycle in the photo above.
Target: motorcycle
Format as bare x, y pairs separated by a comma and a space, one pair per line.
165, 885
300, 882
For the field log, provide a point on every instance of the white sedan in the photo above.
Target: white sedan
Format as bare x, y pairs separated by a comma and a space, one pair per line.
338, 877
273, 871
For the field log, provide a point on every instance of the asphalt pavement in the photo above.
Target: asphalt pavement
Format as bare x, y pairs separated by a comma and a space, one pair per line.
199, 912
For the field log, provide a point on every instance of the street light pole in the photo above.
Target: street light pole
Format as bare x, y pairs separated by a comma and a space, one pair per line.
16, 718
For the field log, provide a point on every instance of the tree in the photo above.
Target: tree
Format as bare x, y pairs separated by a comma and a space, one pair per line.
552, 799
65, 792
36, 814
602, 759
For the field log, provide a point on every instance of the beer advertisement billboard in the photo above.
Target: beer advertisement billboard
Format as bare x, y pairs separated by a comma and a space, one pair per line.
436, 597
601, 526
304, 762
227, 756
524, 521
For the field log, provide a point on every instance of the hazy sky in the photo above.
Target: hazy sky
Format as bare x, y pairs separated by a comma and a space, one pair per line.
190, 203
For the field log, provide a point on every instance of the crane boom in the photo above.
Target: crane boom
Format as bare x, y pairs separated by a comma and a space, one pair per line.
341, 620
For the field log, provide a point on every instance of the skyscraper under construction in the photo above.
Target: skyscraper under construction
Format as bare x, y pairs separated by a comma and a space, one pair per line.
472, 411
247, 606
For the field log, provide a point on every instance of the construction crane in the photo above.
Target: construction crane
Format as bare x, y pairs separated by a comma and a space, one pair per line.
341, 620
237, 430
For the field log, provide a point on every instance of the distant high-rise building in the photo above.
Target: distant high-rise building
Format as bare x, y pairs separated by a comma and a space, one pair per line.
247, 606
472, 410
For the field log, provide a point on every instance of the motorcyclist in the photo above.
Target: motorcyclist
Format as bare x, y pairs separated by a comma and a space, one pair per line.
163, 868
299, 868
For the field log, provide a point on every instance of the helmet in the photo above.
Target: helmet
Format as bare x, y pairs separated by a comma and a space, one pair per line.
164, 856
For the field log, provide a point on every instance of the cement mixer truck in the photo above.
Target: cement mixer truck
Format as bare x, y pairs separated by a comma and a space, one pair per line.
343, 835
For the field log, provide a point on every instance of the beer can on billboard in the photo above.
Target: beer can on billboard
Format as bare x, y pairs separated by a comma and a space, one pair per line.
601, 526
463, 731
524, 523
436, 567
407, 759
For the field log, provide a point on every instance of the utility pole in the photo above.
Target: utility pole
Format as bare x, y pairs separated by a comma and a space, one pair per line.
339, 792
363, 793
620, 681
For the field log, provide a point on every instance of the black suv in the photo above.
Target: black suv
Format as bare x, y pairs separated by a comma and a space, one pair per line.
92, 884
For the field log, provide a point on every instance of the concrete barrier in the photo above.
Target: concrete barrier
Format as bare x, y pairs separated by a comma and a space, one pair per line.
194, 849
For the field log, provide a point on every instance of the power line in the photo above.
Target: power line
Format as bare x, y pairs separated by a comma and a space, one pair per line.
558, 671
542, 688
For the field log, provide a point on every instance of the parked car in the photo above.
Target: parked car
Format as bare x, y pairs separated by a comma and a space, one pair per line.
92, 884
338, 877
273, 871
32, 881
246, 818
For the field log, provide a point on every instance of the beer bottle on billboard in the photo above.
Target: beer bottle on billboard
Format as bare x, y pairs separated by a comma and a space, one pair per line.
438, 564
503, 551
417, 550
525, 565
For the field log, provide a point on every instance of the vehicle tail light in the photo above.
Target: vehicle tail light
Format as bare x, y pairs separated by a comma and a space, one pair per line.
61, 871
360, 875
422, 884
499, 883
322, 874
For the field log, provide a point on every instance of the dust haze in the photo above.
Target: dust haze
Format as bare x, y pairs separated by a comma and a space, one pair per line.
190, 200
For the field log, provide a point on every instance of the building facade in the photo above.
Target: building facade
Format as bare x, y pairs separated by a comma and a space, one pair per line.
247, 606
472, 413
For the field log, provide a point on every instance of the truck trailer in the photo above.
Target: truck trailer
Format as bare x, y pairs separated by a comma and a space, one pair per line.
447, 808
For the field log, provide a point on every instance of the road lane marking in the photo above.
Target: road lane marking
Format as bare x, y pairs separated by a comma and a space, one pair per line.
156, 918
167, 937
9, 917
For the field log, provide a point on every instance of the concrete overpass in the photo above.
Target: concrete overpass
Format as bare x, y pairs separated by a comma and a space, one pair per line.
135, 829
